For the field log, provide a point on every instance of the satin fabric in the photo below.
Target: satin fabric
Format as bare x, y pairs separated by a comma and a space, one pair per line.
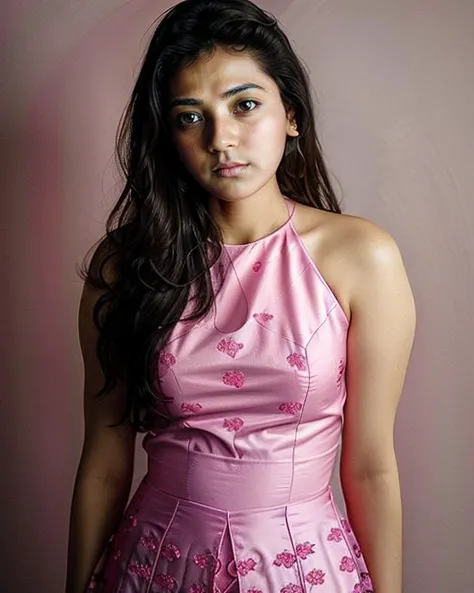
237, 496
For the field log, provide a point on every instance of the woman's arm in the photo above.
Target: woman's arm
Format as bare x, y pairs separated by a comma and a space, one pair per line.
380, 339
105, 470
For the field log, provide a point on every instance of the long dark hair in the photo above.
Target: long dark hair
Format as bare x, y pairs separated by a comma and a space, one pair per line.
160, 239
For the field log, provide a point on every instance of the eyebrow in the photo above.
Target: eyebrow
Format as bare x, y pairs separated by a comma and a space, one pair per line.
183, 102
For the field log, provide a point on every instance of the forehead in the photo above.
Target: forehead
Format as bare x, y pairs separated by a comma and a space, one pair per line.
215, 73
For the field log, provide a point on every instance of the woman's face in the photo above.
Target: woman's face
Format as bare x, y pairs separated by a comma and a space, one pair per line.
225, 109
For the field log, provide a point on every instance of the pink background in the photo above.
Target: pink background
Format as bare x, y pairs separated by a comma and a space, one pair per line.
395, 92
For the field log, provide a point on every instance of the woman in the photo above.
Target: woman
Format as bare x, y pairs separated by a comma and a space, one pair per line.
236, 317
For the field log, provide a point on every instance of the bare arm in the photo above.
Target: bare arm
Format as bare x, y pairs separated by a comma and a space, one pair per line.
105, 470
379, 346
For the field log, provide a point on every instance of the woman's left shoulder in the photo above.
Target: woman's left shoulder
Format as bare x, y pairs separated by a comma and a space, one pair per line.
348, 238
379, 285
359, 259
367, 241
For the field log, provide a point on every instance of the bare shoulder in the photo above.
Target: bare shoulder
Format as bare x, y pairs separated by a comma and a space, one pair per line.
349, 251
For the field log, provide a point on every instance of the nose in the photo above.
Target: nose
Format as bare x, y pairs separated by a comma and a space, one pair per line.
222, 135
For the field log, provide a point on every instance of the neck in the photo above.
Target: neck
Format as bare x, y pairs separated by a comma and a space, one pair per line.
246, 220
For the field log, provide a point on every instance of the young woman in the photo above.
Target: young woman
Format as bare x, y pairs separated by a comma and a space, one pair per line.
234, 316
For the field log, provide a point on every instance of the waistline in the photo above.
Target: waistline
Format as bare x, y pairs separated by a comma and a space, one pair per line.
236, 484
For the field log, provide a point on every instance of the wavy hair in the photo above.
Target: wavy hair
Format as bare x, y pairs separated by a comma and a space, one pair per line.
160, 240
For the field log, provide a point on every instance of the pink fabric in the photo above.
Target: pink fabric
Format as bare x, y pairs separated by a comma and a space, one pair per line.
237, 494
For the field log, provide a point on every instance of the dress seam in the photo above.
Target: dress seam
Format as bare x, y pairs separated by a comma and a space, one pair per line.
219, 548
298, 564
328, 314
232, 544
160, 547
323, 281
297, 429
344, 535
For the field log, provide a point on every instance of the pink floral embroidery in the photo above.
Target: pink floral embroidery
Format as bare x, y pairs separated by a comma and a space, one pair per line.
245, 566
254, 590
291, 407
286, 559
357, 552
365, 586
196, 589
117, 555
335, 535
304, 550
257, 266
340, 372
346, 526
167, 359
366, 580
291, 588
150, 543
297, 360
347, 564
141, 570
171, 552
234, 379
263, 317
233, 424
200, 560
165, 581
229, 346
315, 577
191, 407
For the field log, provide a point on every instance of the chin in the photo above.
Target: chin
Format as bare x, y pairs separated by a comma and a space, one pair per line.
233, 190
232, 194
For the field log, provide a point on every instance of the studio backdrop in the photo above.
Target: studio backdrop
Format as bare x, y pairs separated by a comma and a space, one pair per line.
394, 93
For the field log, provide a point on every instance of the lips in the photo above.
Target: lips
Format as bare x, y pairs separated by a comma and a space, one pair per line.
230, 165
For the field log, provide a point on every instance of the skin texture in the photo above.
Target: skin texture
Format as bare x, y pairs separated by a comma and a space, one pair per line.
250, 127
105, 472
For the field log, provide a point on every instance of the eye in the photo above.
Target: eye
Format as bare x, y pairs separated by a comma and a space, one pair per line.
184, 119
246, 102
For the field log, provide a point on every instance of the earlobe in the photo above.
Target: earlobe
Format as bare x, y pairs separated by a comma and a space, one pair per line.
292, 129
292, 126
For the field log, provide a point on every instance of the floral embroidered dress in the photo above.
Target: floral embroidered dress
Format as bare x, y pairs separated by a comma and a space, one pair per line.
237, 497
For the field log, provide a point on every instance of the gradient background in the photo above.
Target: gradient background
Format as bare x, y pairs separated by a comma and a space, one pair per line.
394, 83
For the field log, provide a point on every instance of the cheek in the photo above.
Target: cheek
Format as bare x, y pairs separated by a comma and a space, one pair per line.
268, 133
268, 138
186, 149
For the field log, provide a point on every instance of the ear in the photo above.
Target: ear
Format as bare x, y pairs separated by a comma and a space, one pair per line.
291, 125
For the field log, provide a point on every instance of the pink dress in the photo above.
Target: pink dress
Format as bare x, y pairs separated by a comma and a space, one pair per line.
237, 497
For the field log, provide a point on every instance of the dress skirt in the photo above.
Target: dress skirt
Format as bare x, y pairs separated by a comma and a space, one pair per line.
169, 543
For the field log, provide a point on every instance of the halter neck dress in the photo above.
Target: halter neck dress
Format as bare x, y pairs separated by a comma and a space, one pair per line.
237, 497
